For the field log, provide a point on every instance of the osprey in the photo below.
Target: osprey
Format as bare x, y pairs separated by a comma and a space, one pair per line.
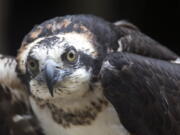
80, 74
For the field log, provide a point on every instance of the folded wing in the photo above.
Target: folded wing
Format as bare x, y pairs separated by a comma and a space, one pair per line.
144, 91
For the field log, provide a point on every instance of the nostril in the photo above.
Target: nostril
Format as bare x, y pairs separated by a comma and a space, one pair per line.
58, 67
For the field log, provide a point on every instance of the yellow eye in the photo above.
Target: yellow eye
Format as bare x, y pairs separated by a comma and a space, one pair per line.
33, 64
71, 56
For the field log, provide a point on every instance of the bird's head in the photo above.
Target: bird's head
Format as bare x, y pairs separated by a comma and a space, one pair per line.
58, 65
63, 55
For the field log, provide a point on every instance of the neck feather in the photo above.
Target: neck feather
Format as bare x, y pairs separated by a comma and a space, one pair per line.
76, 111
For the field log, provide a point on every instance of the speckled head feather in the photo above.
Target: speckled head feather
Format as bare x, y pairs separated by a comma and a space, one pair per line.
100, 35
91, 26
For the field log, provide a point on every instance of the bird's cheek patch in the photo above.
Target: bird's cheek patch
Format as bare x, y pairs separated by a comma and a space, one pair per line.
81, 74
77, 81
38, 89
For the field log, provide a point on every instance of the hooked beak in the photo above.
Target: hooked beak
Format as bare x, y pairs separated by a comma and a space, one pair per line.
53, 74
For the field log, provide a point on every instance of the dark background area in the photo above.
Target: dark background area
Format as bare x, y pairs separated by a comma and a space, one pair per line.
158, 19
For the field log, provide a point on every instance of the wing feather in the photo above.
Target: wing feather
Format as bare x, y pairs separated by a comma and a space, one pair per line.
16, 117
145, 92
132, 40
8, 75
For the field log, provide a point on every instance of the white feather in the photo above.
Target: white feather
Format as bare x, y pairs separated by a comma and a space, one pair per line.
120, 49
8, 76
106, 123
177, 61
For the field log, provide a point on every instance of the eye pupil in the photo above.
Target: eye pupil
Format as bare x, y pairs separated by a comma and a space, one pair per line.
32, 64
71, 55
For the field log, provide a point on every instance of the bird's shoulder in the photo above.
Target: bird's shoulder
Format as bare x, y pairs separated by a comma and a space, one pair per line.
16, 116
144, 91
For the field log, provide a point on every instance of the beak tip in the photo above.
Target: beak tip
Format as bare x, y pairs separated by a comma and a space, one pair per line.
51, 91
53, 75
52, 95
